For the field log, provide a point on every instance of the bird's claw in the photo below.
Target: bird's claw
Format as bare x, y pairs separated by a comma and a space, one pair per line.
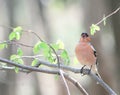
89, 71
81, 71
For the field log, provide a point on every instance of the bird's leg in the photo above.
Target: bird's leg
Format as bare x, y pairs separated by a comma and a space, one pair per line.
90, 69
81, 71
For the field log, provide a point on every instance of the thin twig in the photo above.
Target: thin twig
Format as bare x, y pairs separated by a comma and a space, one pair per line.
108, 16
62, 75
76, 83
13, 42
6, 68
57, 57
30, 31
18, 43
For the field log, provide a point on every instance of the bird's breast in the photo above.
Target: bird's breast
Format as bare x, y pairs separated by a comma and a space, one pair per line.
85, 54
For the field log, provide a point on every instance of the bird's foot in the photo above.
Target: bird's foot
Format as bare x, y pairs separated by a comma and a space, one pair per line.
81, 71
89, 71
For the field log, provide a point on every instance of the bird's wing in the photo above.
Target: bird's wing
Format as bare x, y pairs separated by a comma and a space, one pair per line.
94, 52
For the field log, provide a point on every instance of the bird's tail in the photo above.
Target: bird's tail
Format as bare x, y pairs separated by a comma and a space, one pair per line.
95, 70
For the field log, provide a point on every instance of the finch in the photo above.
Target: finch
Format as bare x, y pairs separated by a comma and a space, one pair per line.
86, 54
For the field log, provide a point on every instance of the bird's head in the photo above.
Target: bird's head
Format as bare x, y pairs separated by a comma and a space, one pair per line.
85, 38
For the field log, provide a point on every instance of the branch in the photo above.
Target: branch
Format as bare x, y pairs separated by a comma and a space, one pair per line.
6, 68
13, 42
49, 71
108, 16
76, 83
103, 84
62, 75
41, 70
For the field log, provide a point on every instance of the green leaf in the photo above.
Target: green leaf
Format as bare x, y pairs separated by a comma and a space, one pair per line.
51, 59
48, 54
18, 36
12, 35
94, 28
16, 33
61, 44
55, 46
19, 52
65, 57
17, 60
13, 57
3, 45
16, 69
34, 62
44, 46
40, 46
36, 48
45, 49
18, 29
20, 61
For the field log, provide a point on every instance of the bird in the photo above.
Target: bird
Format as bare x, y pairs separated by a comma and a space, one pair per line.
86, 54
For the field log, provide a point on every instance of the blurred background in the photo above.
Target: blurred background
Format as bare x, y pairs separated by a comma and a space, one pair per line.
61, 20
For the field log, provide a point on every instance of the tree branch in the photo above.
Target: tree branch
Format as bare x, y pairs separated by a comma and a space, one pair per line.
108, 16
49, 71
25, 68
76, 83
62, 75
103, 84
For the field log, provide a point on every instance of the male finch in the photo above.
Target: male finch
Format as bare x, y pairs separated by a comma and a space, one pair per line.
86, 54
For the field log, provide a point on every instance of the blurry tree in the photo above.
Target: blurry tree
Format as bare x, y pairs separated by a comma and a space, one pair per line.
116, 29
6, 20
36, 15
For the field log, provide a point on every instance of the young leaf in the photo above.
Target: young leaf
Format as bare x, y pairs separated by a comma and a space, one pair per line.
19, 52
19, 61
40, 46
16, 69
61, 44
34, 62
16, 58
12, 36
94, 28
55, 46
51, 59
17, 36
65, 57
18, 29
44, 46
16, 33
13, 57
48, 54
36, 48
3, 45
